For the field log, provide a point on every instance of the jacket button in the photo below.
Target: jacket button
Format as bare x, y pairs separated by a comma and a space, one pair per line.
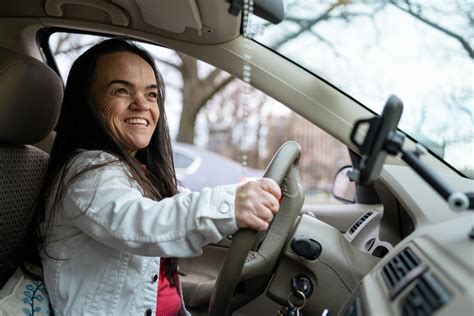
154, 278
224, 207
148, 312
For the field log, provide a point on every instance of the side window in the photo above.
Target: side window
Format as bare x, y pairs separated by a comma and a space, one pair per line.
217, 141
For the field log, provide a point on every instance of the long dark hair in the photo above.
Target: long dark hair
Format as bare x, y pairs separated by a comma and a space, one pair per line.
82, 127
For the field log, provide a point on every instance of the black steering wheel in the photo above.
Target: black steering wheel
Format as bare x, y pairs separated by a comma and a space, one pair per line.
252, 256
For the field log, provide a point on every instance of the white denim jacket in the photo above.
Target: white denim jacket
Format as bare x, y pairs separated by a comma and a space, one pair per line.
109, 238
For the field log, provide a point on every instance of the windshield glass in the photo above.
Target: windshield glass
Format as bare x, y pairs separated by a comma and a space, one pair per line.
419, 51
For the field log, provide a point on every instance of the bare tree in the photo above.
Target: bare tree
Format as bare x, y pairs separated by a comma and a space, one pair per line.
429, 12
196, 91
228, 125
338, 10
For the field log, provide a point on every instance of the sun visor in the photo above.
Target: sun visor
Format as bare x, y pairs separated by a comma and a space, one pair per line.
81, 8
171, 15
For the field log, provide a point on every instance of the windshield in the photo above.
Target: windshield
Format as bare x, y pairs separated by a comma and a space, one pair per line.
419, 51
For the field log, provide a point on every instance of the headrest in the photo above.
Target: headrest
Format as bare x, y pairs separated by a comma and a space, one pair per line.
30, 98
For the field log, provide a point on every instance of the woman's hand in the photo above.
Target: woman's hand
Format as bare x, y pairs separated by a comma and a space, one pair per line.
256, 202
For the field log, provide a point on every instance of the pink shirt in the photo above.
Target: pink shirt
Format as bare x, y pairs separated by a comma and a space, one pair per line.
168, 300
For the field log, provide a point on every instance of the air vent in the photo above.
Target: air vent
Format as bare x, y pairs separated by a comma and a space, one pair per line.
428, 295
359, 222
401, 271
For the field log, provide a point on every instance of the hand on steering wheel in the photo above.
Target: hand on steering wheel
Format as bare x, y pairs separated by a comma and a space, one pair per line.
256, 202
257, 272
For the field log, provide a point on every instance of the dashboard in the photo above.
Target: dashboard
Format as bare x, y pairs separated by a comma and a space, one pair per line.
430, 270
409, 255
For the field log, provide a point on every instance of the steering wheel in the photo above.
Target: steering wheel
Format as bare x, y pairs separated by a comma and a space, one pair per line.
253, 255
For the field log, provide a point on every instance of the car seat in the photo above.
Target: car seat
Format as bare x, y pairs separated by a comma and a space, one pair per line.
30, 99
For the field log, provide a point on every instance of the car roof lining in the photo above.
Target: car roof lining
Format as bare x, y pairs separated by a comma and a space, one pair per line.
200, 21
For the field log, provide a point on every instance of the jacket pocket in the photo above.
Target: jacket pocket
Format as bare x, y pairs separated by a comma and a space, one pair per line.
104, 295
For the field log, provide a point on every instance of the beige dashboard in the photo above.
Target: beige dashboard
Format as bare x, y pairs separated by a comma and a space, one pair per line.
429, 269
441, 274
437, 280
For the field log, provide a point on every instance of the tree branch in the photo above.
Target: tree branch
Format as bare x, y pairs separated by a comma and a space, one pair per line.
209, 80
438, 27
207, 95
308, 24
166, 62
188, 64
63, 38
74, 48
328, 43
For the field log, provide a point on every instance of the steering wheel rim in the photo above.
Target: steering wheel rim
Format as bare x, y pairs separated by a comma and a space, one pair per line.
283, 168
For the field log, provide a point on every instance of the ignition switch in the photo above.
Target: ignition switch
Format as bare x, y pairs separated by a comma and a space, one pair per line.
302, 283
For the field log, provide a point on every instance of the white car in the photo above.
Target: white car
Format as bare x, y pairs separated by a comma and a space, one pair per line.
197, 168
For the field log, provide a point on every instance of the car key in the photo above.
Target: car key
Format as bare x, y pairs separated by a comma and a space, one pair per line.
294, 311
303, 284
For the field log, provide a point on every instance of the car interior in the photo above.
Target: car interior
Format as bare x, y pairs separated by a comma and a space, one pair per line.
397, 247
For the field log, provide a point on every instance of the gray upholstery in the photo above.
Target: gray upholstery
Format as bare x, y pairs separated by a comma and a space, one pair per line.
21, 172
30, 99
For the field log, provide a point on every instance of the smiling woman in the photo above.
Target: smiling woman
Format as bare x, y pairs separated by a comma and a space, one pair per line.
129, 106
110, 216
110, 197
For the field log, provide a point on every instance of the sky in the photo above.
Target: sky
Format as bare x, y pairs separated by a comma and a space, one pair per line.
391, 53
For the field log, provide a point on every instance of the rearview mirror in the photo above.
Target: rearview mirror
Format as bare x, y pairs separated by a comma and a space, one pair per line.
343, 189
272, 11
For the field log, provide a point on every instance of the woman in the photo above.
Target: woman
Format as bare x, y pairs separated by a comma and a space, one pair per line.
110, 206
